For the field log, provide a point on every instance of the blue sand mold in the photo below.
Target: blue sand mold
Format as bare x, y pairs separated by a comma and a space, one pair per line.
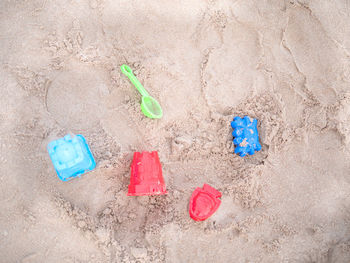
246, 137
71, 156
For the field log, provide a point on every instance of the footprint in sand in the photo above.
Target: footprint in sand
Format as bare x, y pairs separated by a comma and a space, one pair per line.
231, 73
75, 97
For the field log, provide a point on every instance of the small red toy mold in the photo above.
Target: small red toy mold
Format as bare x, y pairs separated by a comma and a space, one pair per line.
146, 175
204, 202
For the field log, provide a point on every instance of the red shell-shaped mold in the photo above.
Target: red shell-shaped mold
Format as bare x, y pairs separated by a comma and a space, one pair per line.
146, 175
204, 202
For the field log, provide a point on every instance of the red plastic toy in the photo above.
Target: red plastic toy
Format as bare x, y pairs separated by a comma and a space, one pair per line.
146, 175
204, 202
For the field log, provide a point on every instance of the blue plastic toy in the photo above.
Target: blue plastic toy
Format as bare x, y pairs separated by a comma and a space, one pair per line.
246, 137
71, 156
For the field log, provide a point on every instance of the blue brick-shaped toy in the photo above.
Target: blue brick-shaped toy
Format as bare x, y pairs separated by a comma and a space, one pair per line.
246, 137
71, 156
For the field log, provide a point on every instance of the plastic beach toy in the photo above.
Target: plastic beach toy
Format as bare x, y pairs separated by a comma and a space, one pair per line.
149, 106
146, 175
204, 202
71, 156
246, 137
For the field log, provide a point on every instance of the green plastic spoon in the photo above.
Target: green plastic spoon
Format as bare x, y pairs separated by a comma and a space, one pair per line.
149, 106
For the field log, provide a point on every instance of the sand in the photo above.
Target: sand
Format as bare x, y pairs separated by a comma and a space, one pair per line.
285, 63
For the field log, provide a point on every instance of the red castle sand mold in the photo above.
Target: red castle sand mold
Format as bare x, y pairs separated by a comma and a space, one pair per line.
204, 202
146, 175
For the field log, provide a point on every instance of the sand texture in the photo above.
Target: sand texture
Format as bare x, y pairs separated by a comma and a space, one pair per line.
285, 63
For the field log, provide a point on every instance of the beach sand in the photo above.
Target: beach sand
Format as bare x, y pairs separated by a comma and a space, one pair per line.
285, 63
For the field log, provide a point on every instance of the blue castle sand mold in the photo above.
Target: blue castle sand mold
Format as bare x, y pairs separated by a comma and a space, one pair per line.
71, 156
246, 137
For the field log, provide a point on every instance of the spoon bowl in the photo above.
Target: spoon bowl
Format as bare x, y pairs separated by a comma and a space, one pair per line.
151, 108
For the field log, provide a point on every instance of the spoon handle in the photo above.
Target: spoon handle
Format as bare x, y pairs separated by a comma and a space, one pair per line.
126, 70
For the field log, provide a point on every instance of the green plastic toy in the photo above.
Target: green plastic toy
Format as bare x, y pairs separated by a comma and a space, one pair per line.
149, 106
